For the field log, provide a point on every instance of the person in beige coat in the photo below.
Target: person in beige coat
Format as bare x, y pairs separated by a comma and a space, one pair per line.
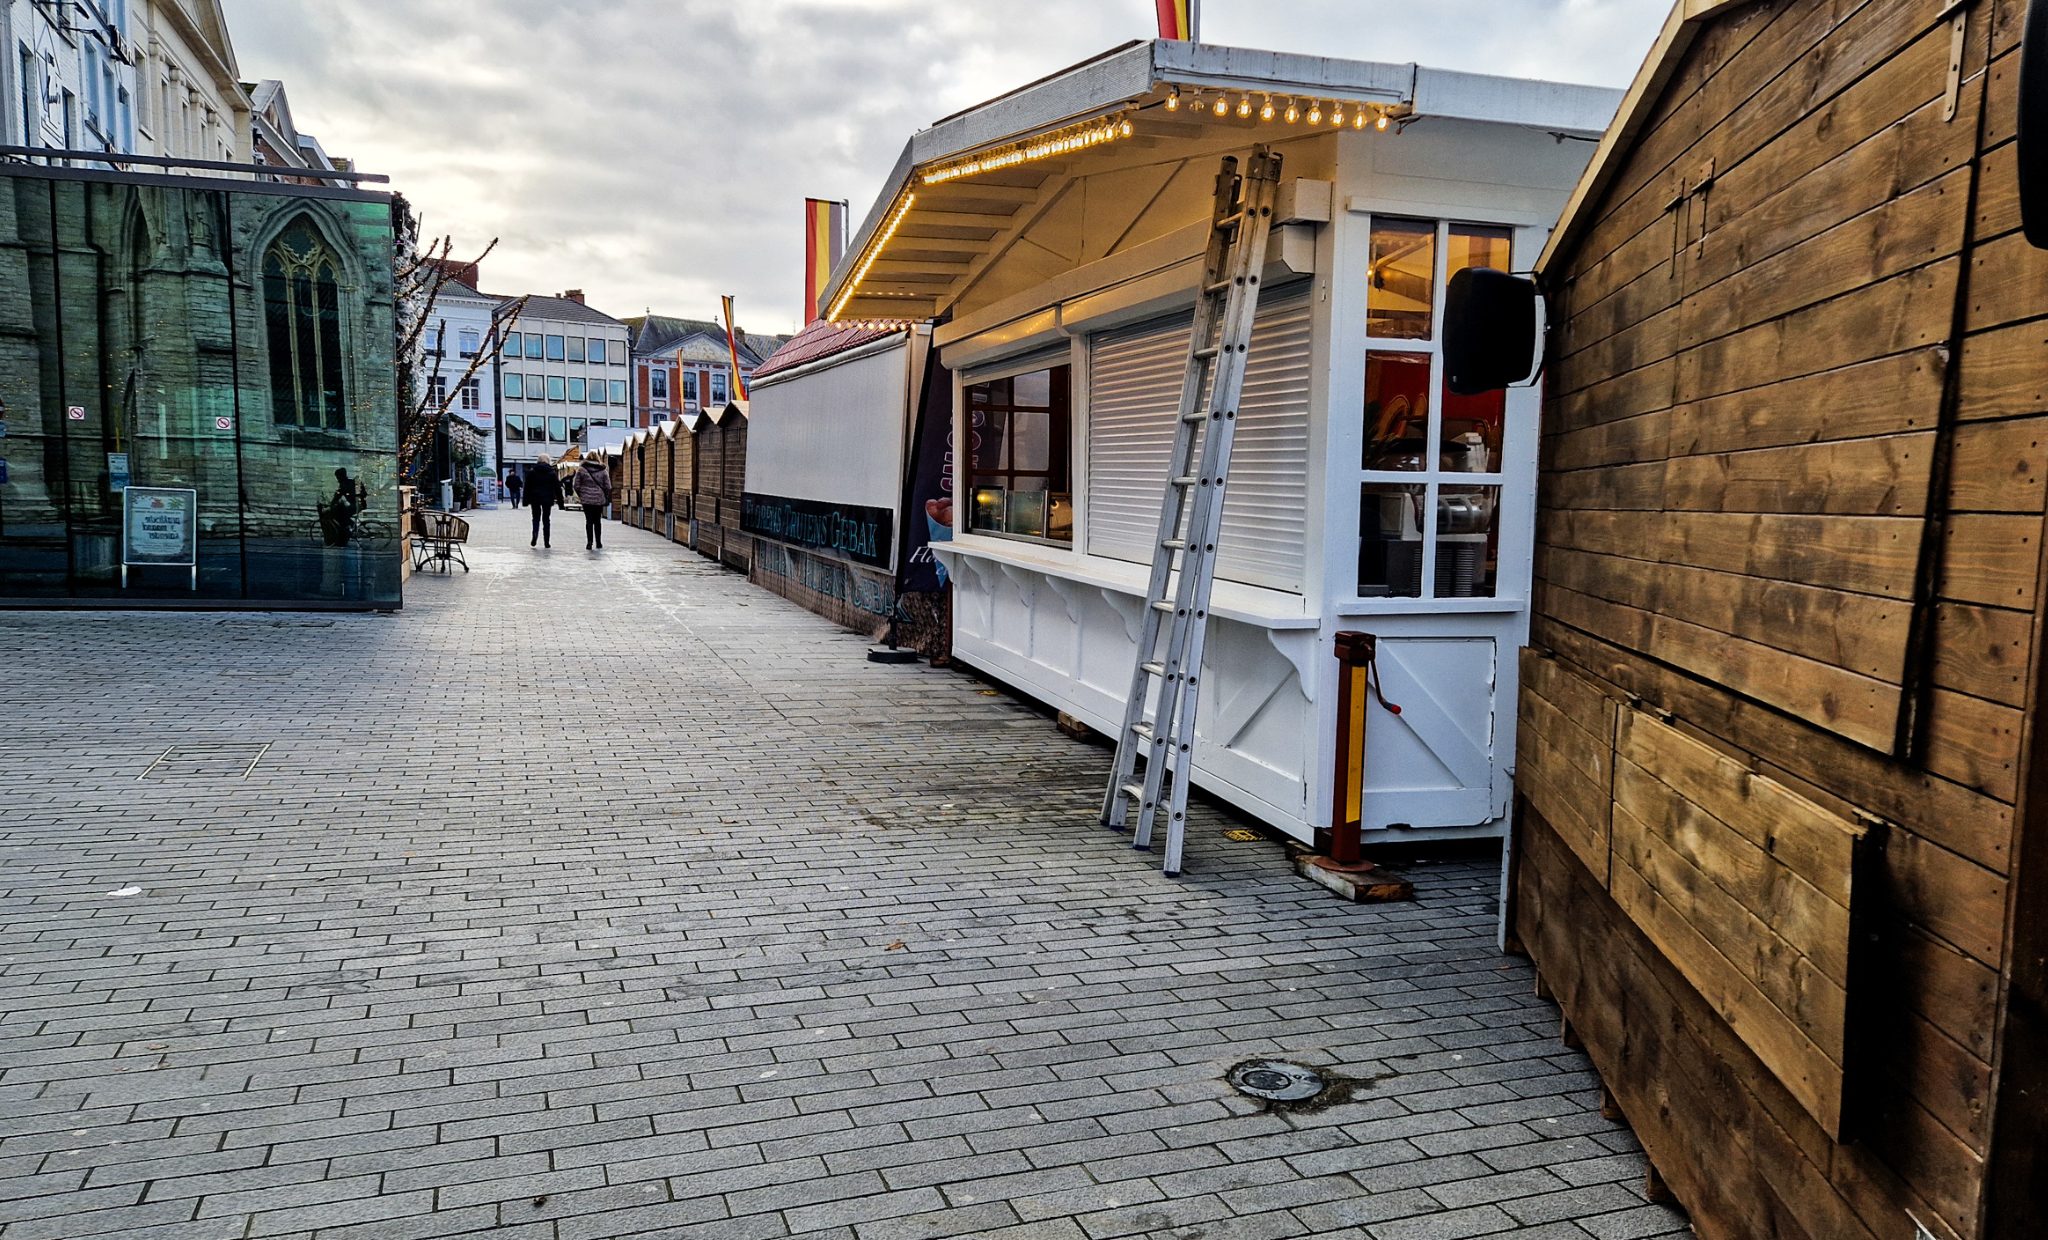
593, 487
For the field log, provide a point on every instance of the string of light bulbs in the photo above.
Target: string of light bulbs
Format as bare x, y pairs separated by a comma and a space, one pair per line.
874, 252
1341, 111
1073, 138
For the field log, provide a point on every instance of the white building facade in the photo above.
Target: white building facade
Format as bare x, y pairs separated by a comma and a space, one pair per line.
561, 368
1060, 230
458, 369
148, 77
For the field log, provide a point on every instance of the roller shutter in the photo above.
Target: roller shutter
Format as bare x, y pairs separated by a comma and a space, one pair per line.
1133, 392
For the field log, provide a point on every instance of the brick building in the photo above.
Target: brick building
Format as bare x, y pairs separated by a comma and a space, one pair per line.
682, 365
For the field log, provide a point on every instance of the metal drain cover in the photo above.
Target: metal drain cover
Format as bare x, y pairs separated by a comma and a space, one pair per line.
1276, 1080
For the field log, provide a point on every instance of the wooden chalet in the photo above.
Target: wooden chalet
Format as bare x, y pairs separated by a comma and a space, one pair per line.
1780, 849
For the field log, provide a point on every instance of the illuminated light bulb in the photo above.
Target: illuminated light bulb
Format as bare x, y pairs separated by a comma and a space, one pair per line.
1222, 105
1173, 101
1266, 113
1381, 123
1315, 112
1124, 129
1293, 113
1358, 120
1337, 115
1244, 105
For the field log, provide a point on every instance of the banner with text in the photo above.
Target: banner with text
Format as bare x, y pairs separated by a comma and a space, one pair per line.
855, 531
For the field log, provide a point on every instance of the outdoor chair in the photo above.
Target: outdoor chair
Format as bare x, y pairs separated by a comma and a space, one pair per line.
437, 538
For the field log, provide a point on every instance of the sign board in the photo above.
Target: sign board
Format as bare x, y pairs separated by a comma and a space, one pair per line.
223, 424
75, 412
856, 531
159, 525
117, 471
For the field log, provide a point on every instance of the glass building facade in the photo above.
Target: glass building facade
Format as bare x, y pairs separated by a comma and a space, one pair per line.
196, 369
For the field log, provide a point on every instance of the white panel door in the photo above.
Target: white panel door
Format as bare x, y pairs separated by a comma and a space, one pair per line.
1432, 764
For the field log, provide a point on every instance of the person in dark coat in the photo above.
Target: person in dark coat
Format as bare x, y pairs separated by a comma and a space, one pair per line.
593, 486
543, 492
514, 479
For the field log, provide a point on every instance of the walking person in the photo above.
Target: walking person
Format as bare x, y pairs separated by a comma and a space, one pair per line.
513, 482
593, 487
543, 492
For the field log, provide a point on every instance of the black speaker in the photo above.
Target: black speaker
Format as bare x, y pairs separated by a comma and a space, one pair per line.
1490, 329
2033, 125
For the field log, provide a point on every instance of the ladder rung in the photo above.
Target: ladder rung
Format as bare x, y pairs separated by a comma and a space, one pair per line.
1156, 668
1187, 481
1175, 544
1164, 604
1216, 288
1142, 729
1206, 354
1134, 791
1197, 416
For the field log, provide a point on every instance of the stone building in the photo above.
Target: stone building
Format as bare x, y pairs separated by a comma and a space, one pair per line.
231, 340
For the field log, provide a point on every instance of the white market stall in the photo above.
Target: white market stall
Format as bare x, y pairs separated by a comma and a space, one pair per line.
1057, 230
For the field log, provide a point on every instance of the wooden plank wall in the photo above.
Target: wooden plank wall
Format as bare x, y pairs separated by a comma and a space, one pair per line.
1757, 377
683, 483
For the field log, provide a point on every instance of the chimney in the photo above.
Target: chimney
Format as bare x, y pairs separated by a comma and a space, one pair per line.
574, 294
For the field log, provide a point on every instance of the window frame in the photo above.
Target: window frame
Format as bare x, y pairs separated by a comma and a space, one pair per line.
557, 348
1067, 421
578, 347
558, 389
618, 391
578, 389
1351, 475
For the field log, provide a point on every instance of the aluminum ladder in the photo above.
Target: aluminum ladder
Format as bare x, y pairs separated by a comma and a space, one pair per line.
1191, 514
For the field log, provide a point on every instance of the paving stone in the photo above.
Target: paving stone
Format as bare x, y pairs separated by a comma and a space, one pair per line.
618, 957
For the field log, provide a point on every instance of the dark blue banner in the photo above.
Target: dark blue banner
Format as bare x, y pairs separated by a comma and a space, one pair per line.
853, 530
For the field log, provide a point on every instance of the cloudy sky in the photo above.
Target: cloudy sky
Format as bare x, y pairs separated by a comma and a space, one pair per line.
656, 153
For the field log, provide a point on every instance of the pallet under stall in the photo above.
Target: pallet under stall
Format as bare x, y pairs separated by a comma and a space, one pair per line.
1781, 832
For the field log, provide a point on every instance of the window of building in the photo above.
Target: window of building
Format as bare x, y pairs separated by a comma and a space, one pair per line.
576, 348
466, 341
533, 344
657, 384
596, 350
437, 391
576, 389
558, 430
689, 389
515, 389
472, 398
302, 310
599, 422
718, 387
1430, 477
576, 426
557, 389
1019, 462
536, 387
430, 340
557, 349
618, 391
514, 342
515, 428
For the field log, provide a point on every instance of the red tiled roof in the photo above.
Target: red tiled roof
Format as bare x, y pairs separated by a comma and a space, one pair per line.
818, 341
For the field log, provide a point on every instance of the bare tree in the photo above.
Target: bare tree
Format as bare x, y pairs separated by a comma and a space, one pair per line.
420, 275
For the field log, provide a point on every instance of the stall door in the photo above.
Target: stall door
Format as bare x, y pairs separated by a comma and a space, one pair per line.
1432, 764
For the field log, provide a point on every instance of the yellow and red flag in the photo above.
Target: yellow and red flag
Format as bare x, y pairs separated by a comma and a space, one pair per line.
732, 348
824, 242
1179, 19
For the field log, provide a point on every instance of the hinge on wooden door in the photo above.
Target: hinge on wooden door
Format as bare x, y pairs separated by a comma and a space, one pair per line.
1958, 17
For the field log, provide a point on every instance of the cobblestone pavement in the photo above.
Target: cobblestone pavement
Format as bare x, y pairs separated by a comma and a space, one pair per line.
595, 896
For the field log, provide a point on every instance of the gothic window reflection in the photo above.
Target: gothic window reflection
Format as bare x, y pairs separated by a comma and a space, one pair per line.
302, 302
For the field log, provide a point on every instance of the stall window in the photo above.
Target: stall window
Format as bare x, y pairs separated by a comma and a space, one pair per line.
1020, 460
1429, 498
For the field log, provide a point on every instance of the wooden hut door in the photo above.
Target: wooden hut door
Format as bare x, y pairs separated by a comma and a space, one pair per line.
1432, 764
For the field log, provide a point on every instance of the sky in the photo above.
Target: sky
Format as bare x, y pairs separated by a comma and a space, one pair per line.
656, 153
